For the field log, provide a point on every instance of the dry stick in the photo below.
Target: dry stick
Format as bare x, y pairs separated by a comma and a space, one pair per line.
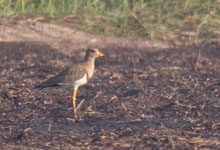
215, 125
80, 104
138, 20
10, 129
49, 126
186, 4
197, 62
213, 14
123, 105
28, 89
28, 115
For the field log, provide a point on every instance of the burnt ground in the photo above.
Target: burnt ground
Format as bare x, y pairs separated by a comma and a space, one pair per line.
137, 99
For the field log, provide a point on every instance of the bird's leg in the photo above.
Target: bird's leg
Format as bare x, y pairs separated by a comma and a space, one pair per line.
74, 103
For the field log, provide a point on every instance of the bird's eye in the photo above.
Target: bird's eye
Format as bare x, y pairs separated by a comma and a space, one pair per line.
91, 50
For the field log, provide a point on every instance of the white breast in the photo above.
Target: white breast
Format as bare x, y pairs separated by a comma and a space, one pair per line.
80, 82
77, 83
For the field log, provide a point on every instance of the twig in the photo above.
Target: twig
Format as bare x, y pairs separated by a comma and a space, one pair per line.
49, 126
80, 104
123, 105
186, 4
28, 89
198, 58
138, 20
10, 129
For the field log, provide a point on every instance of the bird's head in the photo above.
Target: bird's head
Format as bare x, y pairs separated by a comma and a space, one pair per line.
93, 53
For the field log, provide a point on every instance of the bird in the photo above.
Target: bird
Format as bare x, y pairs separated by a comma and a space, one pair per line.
74, 76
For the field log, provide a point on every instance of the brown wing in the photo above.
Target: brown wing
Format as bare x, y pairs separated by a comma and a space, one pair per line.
75, 73
68, 75
53, 81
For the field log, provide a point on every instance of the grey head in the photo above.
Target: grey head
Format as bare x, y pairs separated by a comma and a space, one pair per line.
93, 53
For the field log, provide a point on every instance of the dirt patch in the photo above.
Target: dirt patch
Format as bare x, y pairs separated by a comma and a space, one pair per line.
65, 39
138, 99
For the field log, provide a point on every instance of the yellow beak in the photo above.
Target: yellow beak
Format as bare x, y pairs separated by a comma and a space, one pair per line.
100, 54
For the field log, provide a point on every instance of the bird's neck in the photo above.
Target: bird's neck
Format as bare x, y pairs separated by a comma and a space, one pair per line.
89, 59
90, 63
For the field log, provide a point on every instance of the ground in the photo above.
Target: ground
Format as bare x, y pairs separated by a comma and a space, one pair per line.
139, 98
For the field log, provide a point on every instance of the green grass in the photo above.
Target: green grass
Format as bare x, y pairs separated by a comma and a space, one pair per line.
163, 19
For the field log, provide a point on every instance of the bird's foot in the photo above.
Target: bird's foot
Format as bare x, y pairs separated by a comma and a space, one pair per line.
71, 119
75, 119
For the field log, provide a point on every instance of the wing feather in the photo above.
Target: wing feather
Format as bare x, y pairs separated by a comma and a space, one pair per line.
69, 75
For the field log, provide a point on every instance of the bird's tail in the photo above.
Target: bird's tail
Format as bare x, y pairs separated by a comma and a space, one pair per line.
39, 87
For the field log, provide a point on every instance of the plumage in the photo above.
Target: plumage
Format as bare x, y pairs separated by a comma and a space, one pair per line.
75, 75
67, 76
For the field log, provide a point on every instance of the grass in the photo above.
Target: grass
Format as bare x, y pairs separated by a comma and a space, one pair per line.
188, 20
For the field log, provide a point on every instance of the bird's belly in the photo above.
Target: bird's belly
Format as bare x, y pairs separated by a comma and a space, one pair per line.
76, 83
80, 82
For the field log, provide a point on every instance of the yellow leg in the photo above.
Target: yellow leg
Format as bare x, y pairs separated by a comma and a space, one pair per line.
74, 103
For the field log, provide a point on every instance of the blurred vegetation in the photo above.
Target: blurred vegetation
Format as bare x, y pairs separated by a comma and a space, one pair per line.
150, 19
